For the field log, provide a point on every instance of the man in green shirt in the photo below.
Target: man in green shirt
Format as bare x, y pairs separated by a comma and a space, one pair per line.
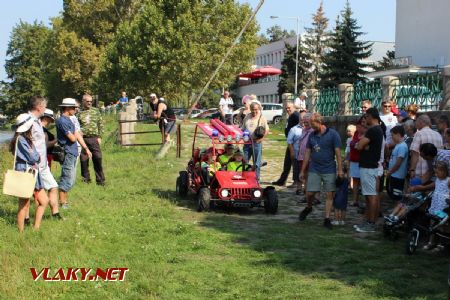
91, 123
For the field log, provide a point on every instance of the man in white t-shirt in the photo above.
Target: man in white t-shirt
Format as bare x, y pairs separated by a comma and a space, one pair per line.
388, 119
300, 102
226, 108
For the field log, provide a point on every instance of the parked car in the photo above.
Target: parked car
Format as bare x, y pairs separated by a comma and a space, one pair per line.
273, 112
207, 113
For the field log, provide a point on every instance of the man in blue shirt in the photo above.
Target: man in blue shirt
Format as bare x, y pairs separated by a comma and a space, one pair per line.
123, 98
65, 131
323, 146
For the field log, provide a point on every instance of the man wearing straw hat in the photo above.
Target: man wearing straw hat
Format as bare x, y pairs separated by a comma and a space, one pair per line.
66, 135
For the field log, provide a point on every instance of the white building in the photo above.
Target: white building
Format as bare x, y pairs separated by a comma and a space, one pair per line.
423, 32
273, 54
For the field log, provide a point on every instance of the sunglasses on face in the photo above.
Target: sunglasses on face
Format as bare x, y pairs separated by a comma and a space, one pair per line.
387, 106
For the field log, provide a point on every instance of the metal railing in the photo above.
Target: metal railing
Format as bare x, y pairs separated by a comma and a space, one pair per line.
327, 102
424, 90
364, 91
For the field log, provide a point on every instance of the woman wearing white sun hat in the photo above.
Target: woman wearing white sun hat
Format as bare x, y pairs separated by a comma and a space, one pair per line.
27, 157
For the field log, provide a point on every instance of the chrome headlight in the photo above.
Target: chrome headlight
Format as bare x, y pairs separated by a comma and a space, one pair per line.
224, 193
237, 137
221, 138
256, 193
229, 138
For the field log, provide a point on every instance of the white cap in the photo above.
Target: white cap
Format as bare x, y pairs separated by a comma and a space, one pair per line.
152, 95
304, 94
24, 122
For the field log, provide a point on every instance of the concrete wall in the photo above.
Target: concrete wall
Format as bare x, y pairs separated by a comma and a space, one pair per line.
422, 31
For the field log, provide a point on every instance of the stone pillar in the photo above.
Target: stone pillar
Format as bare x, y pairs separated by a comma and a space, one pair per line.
123, 139
445, 104
311, 101
388, 84
345, 91
131, 111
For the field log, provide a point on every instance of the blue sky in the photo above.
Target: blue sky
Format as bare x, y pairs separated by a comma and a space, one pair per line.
377, 18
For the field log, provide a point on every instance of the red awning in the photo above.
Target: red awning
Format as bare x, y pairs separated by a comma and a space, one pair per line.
262, 72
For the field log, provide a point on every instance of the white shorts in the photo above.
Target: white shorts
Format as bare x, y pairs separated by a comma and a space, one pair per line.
48, 181
368, 181
354, 169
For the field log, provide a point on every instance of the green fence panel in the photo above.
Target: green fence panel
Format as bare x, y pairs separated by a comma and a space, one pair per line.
327, 102
365, 91
424, 90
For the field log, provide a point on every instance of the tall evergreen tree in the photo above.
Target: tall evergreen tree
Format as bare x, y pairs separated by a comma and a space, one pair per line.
316, 42
386, 62
343, 63
287, 77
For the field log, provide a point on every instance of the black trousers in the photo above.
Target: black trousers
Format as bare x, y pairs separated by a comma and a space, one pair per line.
94, 147
286, 167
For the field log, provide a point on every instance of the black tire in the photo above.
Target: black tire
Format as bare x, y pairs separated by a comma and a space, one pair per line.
204, 199
276, 120
271, 200
411, 242
182, 184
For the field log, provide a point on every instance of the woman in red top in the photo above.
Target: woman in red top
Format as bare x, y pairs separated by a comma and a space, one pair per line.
361, 129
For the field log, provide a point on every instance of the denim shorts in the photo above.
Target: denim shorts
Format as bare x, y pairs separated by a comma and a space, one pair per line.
315, 180
68, 172
354, 169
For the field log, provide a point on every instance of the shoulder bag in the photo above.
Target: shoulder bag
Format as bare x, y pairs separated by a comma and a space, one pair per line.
260, 131
58, 153
19, 183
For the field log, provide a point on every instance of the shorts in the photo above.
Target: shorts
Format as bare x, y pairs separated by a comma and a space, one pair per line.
368, 181
169, 127
48, 181
68, 172
395, 188
380, 171
315, 181
354, 169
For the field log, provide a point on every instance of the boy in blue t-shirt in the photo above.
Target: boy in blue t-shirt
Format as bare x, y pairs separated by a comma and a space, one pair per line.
398, 164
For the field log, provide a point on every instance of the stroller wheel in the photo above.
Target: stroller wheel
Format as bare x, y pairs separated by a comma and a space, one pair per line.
411, 241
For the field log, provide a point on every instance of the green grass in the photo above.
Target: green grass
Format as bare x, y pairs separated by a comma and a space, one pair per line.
174, 252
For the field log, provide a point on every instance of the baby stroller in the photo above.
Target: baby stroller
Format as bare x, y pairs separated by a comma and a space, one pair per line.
439, 226
140, 108
416, 205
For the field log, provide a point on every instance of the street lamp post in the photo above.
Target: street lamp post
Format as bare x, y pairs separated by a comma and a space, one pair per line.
296, 49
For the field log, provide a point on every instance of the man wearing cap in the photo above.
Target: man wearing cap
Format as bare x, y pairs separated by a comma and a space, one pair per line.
225, 157
237, 164
91, 123
300, 102
165, 116
37, 107
66, 135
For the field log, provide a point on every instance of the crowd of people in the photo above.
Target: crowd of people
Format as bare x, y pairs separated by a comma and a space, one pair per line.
390, 149
78, 138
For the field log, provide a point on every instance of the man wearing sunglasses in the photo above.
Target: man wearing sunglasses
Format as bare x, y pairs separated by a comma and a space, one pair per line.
388, 119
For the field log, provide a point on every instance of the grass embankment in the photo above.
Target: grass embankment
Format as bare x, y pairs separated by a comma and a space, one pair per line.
173, 252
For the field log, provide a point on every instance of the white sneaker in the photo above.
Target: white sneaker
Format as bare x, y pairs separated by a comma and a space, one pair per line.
336, 222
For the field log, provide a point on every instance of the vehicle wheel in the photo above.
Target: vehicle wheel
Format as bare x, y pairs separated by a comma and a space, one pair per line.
183, 184
271, 200
204, 199
276, 120
411, 241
